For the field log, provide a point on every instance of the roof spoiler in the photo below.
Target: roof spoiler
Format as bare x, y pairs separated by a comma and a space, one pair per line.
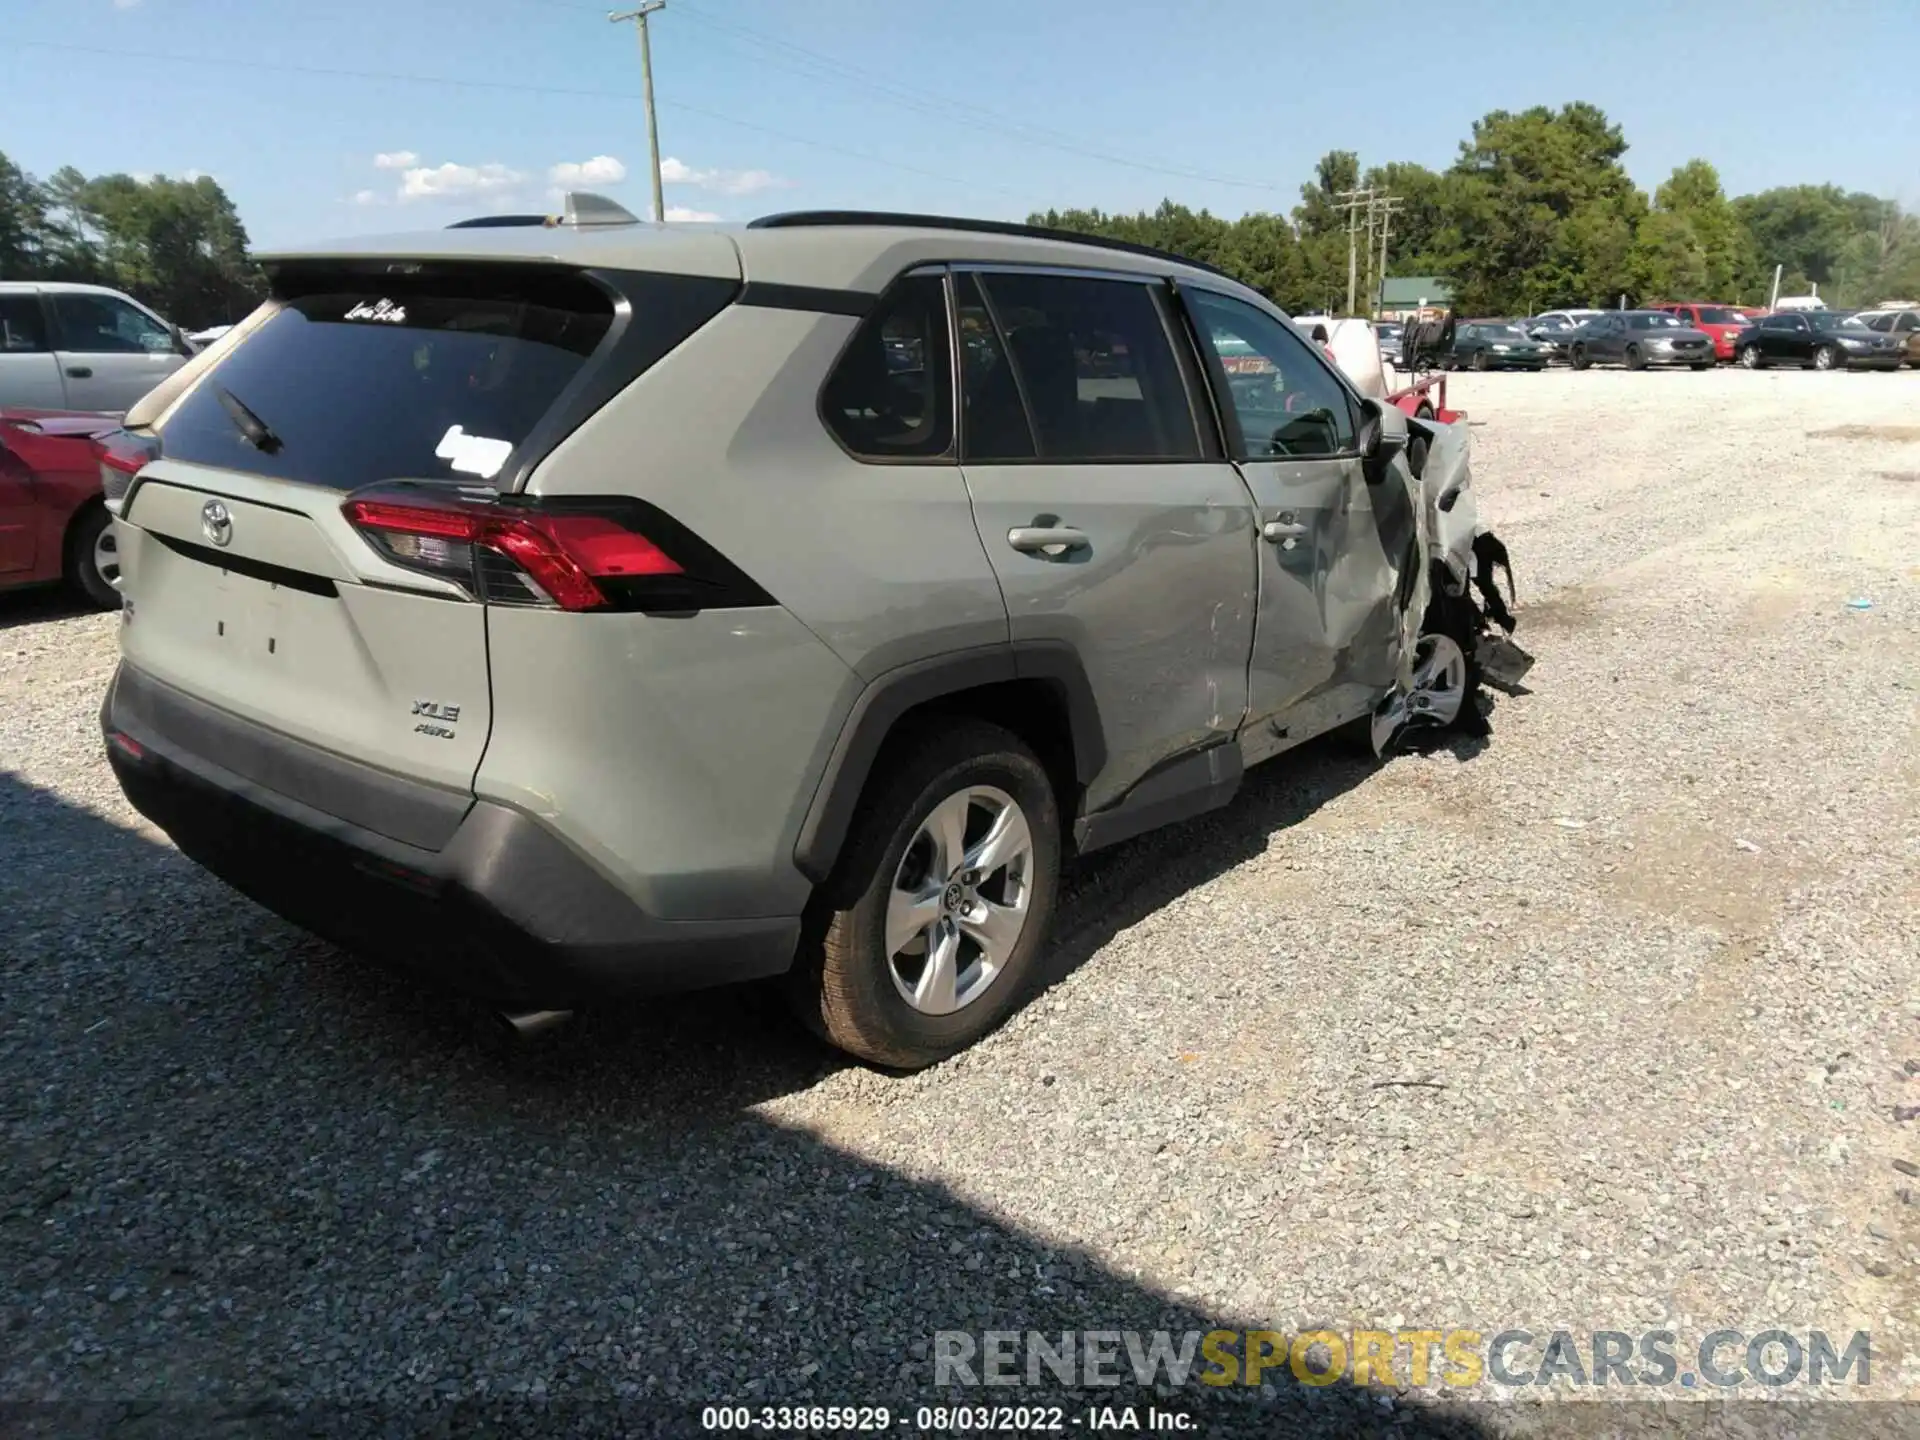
581, 209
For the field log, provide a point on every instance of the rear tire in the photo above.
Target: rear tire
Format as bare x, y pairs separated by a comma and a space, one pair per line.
1635, 360
1824, 358
904, 871
93, 558
1579, 359
1479, 361
1750, 358
1707, 366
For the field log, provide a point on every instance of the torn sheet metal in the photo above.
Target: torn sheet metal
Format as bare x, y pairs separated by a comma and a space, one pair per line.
1459, 594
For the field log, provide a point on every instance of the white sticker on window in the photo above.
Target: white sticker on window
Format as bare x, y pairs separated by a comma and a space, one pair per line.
473, 454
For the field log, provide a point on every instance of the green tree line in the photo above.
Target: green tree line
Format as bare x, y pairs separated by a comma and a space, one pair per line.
1538, 213
177, 245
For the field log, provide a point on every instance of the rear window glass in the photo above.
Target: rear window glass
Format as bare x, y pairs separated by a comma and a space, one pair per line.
396, 379
887, 396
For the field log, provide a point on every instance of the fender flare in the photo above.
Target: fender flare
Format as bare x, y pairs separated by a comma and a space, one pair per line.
880, 706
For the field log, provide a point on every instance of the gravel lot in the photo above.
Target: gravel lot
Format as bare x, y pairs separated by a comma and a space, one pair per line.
1653, 946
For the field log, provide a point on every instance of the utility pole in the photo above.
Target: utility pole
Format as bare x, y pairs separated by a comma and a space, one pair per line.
1389, 204
1351, 201
639, 18
1373, 207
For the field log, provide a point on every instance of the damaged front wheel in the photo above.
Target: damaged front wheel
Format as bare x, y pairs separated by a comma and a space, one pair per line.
1435, 698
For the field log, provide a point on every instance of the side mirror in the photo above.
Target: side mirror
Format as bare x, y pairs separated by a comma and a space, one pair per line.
1379, 439
180, 341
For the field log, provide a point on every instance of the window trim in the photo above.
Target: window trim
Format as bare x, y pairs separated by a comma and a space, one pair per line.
1235, 436
1006, 358
951, 455
1145, 280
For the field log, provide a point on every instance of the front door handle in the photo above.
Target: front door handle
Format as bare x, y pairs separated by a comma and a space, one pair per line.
1031, 539
80, 372
1278, 530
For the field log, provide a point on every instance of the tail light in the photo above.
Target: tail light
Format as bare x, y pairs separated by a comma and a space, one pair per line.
122, 455
566, 554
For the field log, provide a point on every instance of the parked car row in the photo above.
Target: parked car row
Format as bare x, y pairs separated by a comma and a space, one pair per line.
1691, 334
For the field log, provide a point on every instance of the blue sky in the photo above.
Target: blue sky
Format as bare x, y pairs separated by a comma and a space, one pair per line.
994, 107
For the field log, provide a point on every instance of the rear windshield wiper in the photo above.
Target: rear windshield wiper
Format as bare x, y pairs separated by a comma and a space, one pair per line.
258, 433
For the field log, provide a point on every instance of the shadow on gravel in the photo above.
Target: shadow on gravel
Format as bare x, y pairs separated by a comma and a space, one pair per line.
249, 1187
42, 603
1111, 890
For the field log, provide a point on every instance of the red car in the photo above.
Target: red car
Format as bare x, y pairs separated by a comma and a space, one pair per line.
1722, 323
54, 525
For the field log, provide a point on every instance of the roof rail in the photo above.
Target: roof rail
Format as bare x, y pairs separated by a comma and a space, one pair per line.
799, 219
582, 208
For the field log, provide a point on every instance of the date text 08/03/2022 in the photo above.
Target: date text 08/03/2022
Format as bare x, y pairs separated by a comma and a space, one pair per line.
941, 1419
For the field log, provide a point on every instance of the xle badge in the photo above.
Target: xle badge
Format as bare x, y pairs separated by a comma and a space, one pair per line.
432, 710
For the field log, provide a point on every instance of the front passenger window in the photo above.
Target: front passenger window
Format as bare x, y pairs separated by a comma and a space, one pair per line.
105, 324
1286, 404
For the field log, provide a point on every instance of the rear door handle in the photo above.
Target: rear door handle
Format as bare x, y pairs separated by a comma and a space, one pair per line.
1033, 538
80, 372
1278, 530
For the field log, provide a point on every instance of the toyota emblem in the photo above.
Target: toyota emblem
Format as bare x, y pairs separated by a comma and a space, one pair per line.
217, 522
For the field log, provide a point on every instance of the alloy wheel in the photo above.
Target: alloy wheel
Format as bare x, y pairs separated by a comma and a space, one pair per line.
959, 900
1434, 700
106, 557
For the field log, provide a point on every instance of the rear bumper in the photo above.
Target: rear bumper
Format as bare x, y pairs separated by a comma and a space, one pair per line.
503, 909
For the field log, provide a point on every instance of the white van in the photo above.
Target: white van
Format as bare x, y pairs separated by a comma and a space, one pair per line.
1800, 302
81, 347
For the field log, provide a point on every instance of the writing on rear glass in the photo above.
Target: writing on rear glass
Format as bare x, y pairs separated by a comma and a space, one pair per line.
385, 310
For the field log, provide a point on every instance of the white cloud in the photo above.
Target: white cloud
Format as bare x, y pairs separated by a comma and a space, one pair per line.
690, 217
725, 182
365, 197
457, 182
125, 4
395, 160
600, 170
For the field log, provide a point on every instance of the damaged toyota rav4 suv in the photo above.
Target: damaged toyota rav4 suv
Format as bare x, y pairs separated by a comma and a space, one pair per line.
591, 608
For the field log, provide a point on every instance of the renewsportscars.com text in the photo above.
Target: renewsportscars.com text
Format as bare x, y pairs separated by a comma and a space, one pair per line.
1458, 1358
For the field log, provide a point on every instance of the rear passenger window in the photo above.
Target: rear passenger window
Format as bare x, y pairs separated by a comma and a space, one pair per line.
993, 419
23, 329
1092, 364
887, 398
1287, 404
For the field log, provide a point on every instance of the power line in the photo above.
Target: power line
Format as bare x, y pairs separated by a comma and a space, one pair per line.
331, 72
814, 65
